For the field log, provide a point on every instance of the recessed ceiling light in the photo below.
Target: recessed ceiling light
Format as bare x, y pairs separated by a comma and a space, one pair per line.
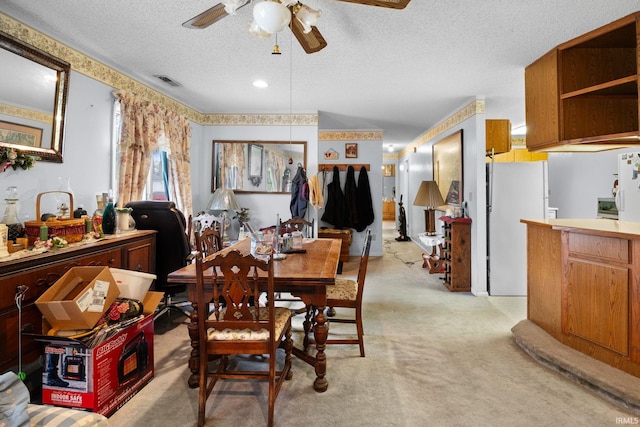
260, 83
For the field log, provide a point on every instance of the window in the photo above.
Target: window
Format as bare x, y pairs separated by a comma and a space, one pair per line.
157, 187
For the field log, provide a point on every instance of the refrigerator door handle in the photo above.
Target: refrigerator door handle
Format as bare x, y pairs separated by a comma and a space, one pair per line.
619, 200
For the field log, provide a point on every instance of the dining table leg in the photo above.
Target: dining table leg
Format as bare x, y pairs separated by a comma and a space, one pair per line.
320, 333
194, 358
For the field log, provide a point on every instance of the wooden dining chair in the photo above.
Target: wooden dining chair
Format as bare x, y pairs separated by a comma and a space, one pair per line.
346, 293
289, 226
236, 327
208, 241
298, 224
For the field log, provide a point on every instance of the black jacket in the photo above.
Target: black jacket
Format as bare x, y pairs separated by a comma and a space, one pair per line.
363, 202
335, 211
350, 195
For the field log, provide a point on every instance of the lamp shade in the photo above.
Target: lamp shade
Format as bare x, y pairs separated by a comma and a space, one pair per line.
271, 16
308, 17
230, 6
223, 199
428, 195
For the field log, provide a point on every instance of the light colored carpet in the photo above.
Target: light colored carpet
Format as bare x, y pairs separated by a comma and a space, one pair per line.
433, 358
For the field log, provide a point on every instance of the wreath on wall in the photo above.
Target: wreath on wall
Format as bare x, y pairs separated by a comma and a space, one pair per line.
10, 158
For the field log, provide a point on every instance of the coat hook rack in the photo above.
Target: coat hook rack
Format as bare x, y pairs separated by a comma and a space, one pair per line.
322, 167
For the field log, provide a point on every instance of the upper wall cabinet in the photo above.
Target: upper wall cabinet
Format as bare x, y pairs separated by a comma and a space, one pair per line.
583, 95
498, 136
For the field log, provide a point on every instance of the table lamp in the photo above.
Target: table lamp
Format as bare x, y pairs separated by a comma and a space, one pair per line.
223, 200
429, 195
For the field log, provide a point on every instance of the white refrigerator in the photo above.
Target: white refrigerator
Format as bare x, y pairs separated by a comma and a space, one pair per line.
628, 195
515, 191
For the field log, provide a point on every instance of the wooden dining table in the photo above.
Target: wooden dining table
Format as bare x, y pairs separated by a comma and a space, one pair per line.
305, 275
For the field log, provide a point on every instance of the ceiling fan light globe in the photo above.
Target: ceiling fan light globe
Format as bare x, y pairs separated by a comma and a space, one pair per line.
230, 6
271, 16
288, 3
308, 17
257, 31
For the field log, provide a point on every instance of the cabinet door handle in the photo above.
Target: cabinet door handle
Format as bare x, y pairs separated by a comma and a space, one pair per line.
48, 280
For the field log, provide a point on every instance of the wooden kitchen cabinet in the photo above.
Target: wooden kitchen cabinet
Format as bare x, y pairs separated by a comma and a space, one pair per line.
498, 136
133, 251
585, 91
582, 286
388, 210
456, 254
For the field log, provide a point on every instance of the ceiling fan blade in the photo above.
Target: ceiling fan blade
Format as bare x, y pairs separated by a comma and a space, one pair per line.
392, 4
207, 17
311, 42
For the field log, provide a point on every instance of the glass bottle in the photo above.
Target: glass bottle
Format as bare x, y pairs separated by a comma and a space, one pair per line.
14, 226
109, 218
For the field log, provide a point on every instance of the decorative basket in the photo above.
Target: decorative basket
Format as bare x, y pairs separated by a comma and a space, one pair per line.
70, 229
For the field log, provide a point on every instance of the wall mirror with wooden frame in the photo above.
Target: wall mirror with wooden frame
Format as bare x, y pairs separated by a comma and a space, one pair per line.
33, 94
256, 166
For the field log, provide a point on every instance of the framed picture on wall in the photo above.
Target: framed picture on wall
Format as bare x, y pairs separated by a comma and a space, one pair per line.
13, 133
351, 150
447, 168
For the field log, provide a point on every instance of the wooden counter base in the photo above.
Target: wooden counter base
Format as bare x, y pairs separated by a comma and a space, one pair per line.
584, 287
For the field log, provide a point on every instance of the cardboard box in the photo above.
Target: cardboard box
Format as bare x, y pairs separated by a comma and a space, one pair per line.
79, 298
132, 284
103, 378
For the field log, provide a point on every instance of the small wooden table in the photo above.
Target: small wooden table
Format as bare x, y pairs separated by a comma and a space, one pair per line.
432, 261
304, 275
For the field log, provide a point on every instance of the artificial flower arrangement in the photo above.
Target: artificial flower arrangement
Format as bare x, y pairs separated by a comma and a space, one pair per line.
242, 215
54, 242
9, 157
122, 309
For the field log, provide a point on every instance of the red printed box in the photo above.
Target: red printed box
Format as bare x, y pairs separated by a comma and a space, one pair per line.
101, 378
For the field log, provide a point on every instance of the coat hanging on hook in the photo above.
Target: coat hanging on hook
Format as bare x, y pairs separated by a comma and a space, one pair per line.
335, 211
364, 202
299, 199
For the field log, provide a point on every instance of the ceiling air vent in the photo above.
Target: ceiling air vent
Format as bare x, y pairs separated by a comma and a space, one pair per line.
168, 81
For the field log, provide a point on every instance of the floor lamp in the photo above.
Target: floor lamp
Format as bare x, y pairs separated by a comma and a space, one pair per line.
224, 200
429, 195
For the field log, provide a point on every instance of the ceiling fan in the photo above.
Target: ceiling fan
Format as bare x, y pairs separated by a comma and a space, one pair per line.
271, 16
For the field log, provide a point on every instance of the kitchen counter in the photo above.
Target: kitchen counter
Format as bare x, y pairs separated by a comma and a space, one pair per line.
601, 226
583, 286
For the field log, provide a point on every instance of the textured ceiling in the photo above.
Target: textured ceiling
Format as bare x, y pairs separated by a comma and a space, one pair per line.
396, 70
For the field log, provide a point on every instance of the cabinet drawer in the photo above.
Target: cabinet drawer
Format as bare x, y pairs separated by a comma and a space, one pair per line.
39, 280
605, 248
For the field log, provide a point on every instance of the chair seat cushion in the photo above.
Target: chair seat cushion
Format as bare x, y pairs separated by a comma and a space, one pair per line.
282, 317
344, 289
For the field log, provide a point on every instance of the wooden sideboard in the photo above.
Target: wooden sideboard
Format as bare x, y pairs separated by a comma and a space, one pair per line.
132, 251
583, 287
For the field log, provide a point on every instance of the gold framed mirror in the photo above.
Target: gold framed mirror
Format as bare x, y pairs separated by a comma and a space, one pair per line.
33, 95
256, 166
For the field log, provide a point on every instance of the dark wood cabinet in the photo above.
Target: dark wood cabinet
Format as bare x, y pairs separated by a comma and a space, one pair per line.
456, 254
134, 251
585, 91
